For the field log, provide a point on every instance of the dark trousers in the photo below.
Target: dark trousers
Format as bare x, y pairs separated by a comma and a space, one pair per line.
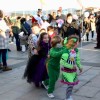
3, 53
53, 77
98, 39
87, 36
92, 34
17, 41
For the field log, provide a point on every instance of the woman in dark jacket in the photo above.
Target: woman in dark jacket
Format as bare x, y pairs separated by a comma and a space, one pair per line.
98, 33
70, 27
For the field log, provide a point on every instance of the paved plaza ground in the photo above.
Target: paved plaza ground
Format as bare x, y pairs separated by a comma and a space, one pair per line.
13, 87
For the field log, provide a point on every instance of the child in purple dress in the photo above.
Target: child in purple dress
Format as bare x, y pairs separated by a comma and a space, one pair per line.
36, 69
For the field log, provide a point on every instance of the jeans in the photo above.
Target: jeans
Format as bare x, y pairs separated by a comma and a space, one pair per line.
3, 54
17, 41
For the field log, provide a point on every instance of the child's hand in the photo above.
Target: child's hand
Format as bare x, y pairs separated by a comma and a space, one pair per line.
74, 67
35, 51
48, 56
81, 69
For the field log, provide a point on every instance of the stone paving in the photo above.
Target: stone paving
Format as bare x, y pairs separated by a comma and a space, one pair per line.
13, 87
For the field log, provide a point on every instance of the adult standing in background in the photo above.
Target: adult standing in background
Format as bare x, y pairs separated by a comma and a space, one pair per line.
93, 25
70, 27
60, 19
4, 41
38, 17
98, 33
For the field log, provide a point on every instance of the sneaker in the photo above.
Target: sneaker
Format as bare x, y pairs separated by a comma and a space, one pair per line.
69, 98
50, 95
6, 68
96, 47
46, 87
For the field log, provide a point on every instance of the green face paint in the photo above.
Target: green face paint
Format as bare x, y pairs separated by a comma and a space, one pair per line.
65, 41
75, 40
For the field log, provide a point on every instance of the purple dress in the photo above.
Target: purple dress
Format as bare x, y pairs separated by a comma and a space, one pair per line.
40, 72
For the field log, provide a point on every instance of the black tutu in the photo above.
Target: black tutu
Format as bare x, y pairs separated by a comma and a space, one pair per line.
31, 67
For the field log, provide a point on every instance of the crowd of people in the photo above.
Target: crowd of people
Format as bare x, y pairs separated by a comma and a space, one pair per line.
52, 44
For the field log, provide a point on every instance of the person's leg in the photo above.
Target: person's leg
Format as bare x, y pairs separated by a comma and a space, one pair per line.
4, 52
12, 38
92, 34
0, 60
98, 40
4, 60
87, 36
84, 36
69, 91
53, 77
17, 42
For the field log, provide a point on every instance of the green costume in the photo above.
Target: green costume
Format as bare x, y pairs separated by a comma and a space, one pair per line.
54, 67
68, 60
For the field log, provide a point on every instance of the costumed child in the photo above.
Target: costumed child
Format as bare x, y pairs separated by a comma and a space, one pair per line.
32, 40
53, 64
36, 71
70, 60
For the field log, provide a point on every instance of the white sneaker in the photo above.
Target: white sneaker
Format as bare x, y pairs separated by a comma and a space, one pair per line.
69, 98
46, 87
50, 95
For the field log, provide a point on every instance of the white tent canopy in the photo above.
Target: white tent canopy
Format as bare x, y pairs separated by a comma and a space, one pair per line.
90, 3
19, 5
29, 5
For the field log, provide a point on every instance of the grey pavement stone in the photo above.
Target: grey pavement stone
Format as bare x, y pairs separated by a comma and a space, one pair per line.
35, 94
92, 72
60, 93
97, 96
13, 61
85, 68
11, 95
80, 98
91, 64
96, 68
87, 91
95, 82
81, 83
58, 84
95, 99
86, 78
13, 87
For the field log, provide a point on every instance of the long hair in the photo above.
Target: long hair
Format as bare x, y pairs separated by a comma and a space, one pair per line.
41, 40
50, 18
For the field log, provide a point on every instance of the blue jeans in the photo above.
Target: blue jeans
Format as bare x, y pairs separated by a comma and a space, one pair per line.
3, 53
17, 41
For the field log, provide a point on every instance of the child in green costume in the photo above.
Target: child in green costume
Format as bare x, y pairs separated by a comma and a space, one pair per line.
69, 61
53, 64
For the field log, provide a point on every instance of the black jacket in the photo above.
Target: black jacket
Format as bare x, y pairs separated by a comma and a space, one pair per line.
69, 29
